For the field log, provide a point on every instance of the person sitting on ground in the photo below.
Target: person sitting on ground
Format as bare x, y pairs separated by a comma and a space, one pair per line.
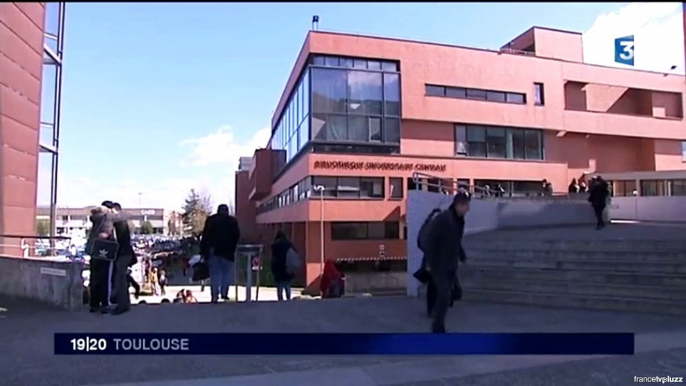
331, 284
190, 298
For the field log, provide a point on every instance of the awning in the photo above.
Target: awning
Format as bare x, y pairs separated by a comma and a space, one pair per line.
374, 258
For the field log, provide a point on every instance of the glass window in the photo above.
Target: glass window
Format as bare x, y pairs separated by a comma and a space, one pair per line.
392, 94
678, 188
495, 96
318, 60
389, 66
392, 130
653, 188
435, 90
329, 184
372, 187
329, 89
476, 94
358, 129
455, 92
513, 97
460, 140
331, 61
476, 141
373, 65
377, 231
395, 187
348, 231
365, 92
303, 133
360, 63
539, 96
306, 94
391, 230
495, 139
517, 146
346, 62
348, 187
329, 127
375, 129
534, 146
683, 151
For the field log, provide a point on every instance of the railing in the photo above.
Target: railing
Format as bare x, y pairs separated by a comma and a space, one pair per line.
451, 186
26, 247
517, 52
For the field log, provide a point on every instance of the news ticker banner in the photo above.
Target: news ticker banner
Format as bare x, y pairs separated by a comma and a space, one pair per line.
344, 344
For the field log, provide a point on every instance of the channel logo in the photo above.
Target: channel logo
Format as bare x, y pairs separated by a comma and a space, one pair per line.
624, 50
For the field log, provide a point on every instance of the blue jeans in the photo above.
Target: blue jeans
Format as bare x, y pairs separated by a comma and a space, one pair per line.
221, 276
283, 287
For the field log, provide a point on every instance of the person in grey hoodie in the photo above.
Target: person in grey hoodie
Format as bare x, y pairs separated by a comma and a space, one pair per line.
443, 250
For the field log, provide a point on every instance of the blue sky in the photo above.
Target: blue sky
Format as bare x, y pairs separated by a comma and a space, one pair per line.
174, 93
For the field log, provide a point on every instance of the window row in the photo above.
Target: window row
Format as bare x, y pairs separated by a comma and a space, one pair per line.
355, 92
365, 231
356, 63
473, 93
499, 142
333, 128
293, 130
649, 188
298, 192
336, 187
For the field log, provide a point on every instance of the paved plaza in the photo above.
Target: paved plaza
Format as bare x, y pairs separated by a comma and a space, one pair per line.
27, 355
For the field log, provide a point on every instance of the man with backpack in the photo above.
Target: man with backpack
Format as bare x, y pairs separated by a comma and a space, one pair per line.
126, 257
442, 244
100, 285
218, 247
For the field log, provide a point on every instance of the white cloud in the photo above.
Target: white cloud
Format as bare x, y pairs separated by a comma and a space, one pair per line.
658, 36
222, 147
212, 161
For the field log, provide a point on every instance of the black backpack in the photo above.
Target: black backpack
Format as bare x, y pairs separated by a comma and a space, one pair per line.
423, 234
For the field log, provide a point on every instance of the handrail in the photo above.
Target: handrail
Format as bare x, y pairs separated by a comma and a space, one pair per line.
26, 247
423, 179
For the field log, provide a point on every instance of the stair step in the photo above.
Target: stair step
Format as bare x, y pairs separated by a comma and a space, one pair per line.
576, 301
650, 246
584, 276
586, 265
576, 288
578, 255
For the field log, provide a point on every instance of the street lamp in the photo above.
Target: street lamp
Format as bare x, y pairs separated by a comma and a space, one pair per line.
321, 189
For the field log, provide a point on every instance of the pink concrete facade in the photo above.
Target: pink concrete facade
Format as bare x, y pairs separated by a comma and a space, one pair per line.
594, 119
21, 64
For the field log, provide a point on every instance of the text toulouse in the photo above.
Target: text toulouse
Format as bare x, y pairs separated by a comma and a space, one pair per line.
399, 166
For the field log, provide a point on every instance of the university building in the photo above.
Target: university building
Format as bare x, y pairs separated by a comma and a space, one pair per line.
360, 114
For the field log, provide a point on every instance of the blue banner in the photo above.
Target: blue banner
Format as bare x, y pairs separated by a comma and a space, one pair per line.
344, 344
624, 50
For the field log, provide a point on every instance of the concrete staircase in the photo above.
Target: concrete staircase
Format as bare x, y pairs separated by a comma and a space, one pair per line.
614, 274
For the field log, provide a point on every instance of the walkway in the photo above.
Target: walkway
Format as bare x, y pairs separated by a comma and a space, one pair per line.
26, 353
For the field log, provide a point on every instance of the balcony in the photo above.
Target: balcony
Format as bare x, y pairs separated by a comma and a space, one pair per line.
592, 122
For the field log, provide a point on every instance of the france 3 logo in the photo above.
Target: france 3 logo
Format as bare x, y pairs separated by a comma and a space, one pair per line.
624, 50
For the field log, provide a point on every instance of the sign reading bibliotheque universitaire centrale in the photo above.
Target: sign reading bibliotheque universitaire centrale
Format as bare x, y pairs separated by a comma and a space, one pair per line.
385, 166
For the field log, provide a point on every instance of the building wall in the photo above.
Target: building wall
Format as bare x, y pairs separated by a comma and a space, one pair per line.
245, 209
593, 119
21, 62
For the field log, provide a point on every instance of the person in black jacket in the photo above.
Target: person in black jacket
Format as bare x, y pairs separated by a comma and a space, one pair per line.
443, 250
279, 266
421, 239
218, 247
125, 256
100, 282
599, 193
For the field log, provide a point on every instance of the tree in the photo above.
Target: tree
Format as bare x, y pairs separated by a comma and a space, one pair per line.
147, 228
43, 227
196, 209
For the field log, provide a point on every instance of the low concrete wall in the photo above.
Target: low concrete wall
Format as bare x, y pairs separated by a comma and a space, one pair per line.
659, 209
535, 213
49, 281
368, 282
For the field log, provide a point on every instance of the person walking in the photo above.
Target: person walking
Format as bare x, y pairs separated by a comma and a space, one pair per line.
163, 282
279, 266
218, 247
125, 258
443, 246
422, 274
598, 197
